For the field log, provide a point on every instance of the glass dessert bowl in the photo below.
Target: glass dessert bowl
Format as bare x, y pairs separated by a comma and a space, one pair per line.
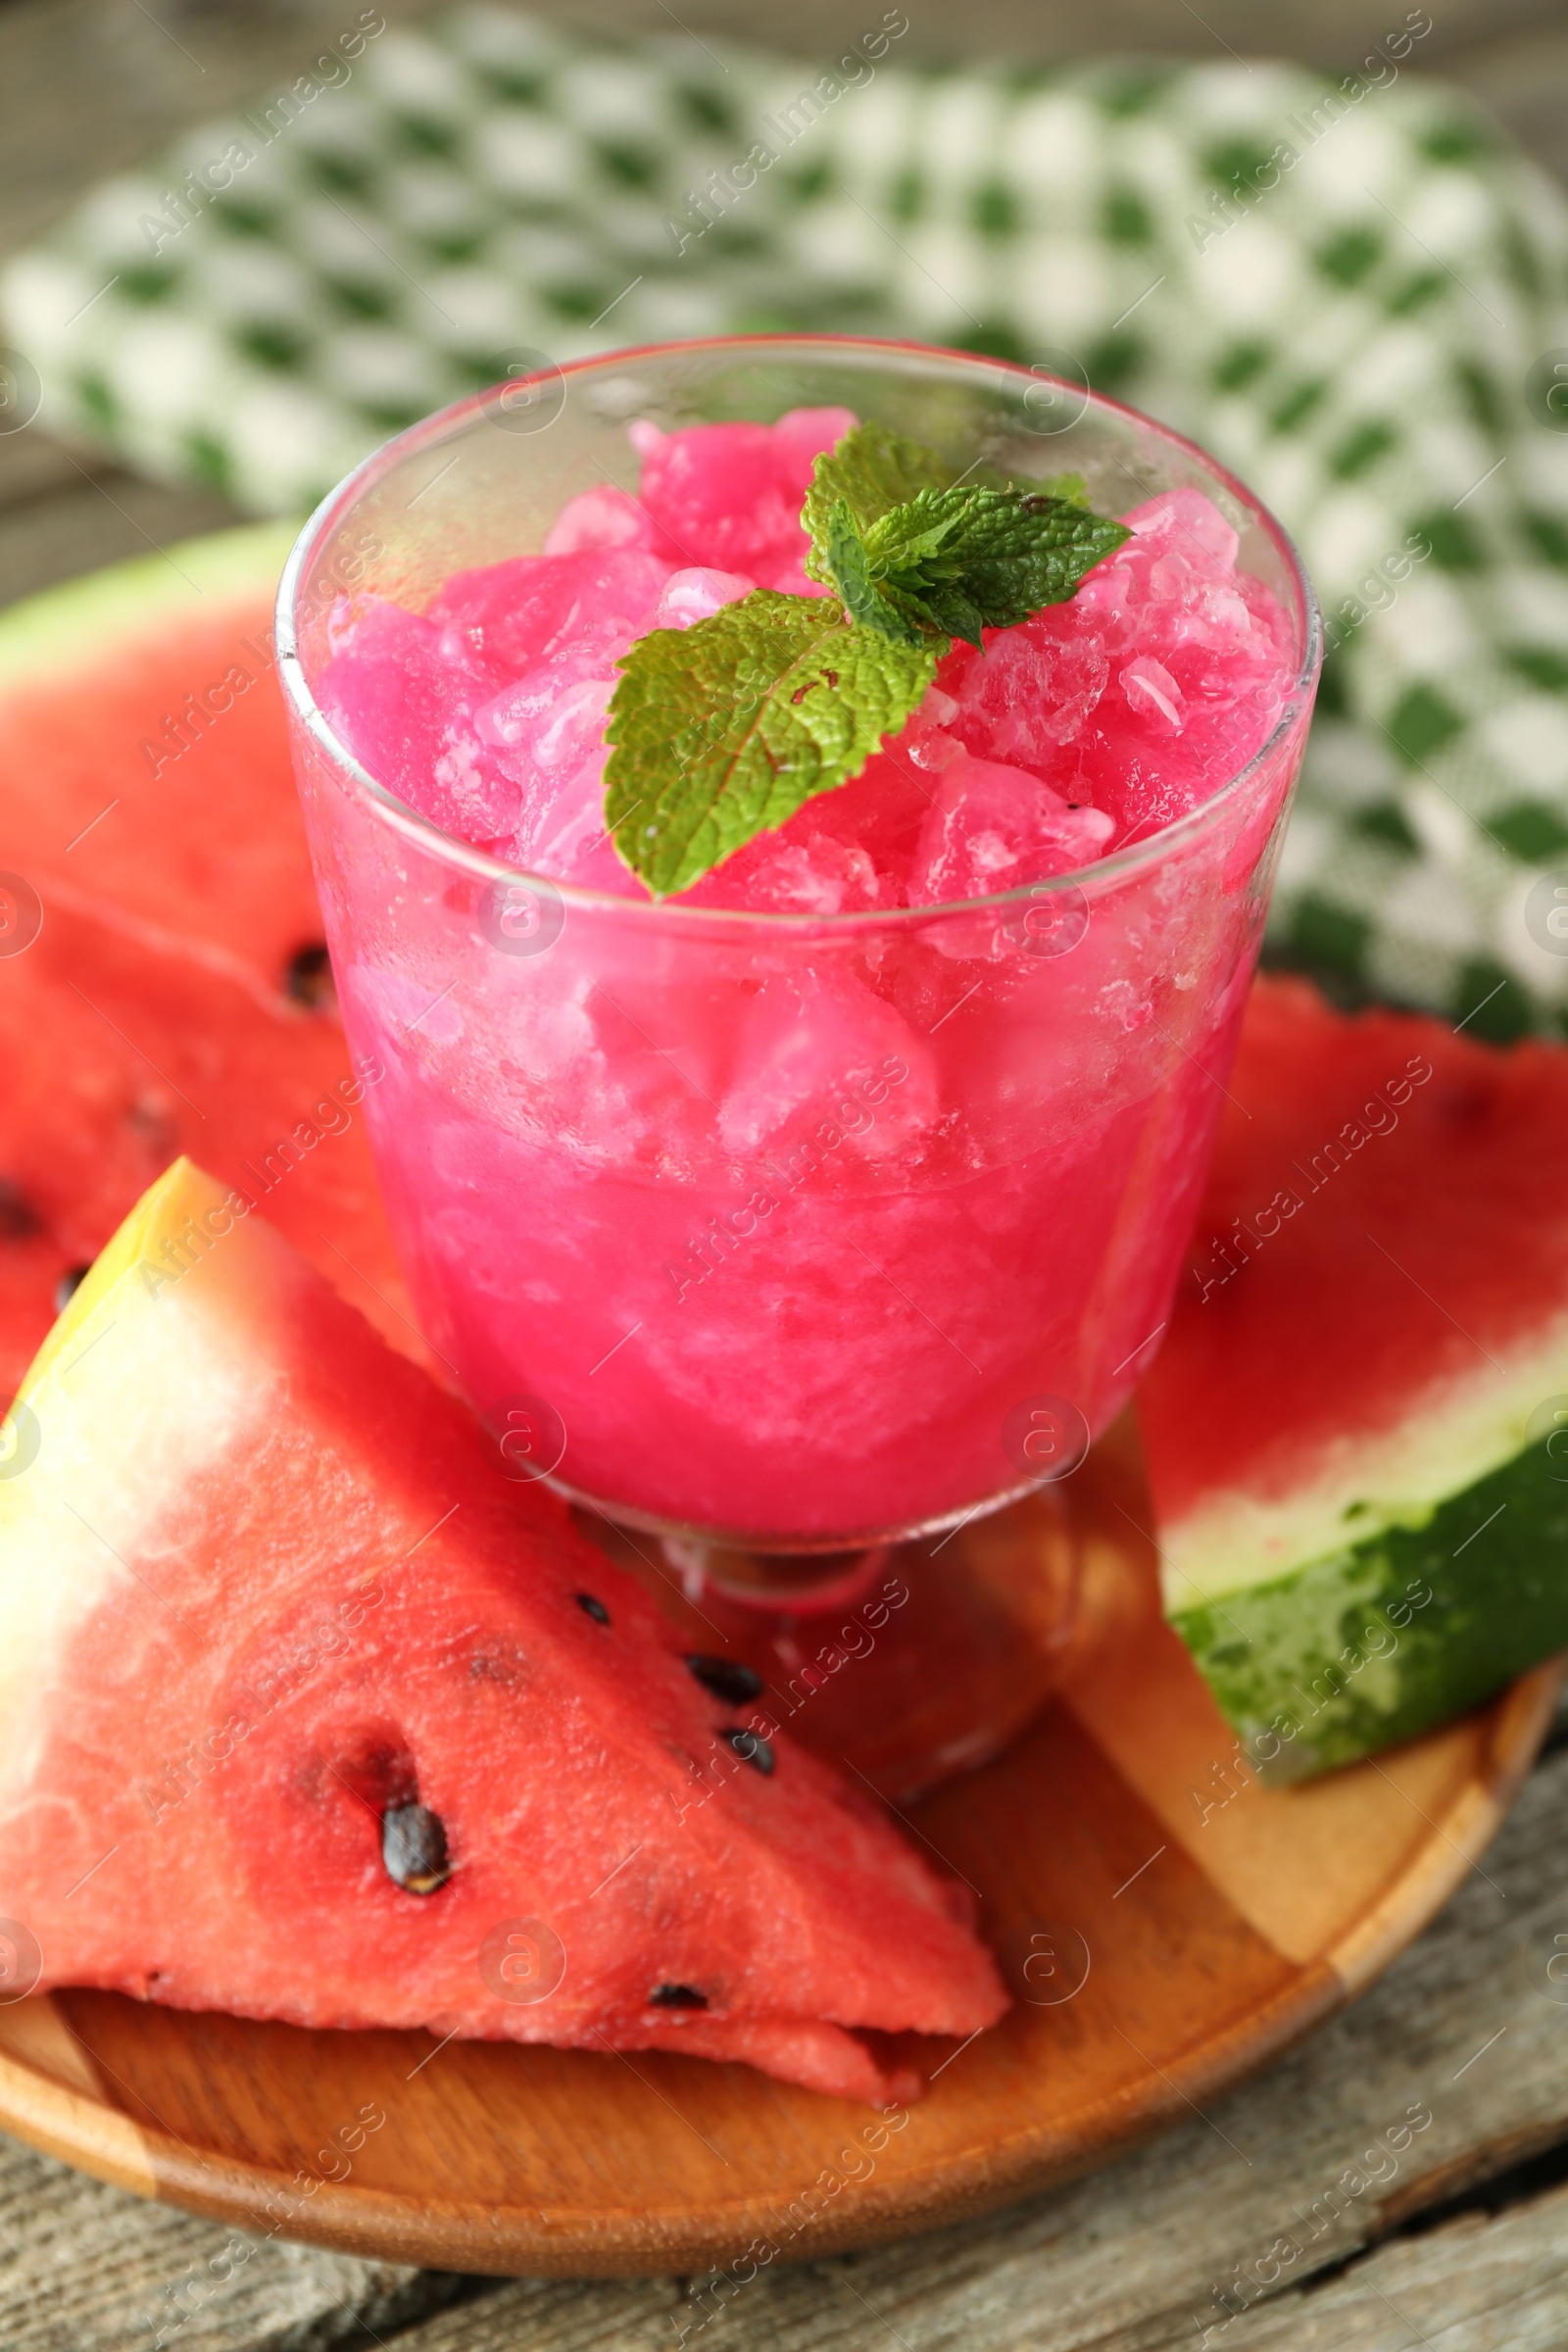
795, 1224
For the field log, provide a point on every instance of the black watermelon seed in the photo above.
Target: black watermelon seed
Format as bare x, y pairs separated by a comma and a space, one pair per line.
308, 978
592, 1608
70, 1283
18, 1216
725, 1678
751, 1746
414, 1848
676, 1996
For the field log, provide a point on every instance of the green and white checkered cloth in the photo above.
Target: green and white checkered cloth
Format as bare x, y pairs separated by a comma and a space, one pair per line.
1355, 293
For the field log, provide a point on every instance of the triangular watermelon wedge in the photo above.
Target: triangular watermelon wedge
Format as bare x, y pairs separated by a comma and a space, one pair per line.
307, 1711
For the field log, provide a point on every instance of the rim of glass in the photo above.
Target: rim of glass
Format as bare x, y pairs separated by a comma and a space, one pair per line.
478, 863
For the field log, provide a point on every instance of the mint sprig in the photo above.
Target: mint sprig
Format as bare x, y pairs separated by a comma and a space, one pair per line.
871, 471
723, 731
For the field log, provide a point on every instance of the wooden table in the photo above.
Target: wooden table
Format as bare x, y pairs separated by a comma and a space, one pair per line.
1467, 2243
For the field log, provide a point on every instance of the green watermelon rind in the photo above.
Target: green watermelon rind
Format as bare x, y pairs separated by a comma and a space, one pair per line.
64, 629
1386, 1639
1446, 1436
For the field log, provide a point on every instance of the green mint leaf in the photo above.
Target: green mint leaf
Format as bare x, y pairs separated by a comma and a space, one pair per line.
953, 562
867, 597
965, 558
721, 731
871, 471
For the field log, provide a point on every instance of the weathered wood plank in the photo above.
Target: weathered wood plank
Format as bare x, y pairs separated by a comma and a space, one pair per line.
1478, 2285
95, 518
83, 2269
32, 468
1466, 2025
1465, 2029
1119, 2262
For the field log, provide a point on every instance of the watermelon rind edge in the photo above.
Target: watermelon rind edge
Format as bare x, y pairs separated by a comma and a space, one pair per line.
82, 1429
1398, 1633
64, 629
1446, 1435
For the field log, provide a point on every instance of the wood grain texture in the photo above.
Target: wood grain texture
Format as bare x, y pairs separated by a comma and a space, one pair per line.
1128, 2260
1118, 2261
1477, 2285
1331, 1864
85, 2270
83, 515
1144, 1984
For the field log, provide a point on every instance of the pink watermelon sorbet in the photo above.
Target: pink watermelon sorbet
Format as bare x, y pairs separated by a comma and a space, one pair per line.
802, 1229
1087, 727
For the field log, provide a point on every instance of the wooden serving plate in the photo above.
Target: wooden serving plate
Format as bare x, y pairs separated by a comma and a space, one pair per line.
1168, 1925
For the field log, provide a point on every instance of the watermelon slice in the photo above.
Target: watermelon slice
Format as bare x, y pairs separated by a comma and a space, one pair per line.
1357, 1427
308, 1713
177, 995
145, 763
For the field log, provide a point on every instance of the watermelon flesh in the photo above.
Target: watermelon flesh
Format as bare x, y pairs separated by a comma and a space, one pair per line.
145, 759
1355, 1427
117, 1059
271, 1624
175, 998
